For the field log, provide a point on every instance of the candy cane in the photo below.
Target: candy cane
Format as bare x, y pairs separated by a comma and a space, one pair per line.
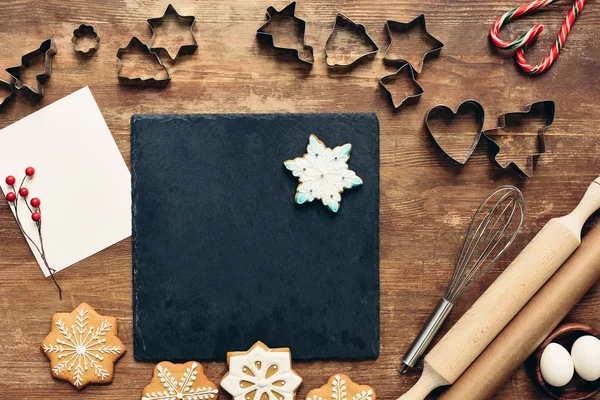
523, 41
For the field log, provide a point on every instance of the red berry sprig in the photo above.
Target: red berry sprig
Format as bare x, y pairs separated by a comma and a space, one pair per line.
36, 216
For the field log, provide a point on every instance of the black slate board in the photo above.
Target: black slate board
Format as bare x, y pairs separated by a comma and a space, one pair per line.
223, 257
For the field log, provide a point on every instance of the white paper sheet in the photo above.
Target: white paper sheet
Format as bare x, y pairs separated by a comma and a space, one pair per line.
81, 179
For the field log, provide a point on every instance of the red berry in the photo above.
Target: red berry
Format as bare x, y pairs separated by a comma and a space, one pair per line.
35, 202
11, 196
24, 192
36, 216
10, 180
29, 171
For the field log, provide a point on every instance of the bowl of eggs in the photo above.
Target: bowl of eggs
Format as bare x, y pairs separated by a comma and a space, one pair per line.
568, 363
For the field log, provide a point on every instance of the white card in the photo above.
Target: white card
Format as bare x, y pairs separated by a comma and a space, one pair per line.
80, 177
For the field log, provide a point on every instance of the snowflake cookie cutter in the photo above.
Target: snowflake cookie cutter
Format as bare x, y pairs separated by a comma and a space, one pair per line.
48, 50
261, 371
180, 381
189, 20
83, 347
133, 45
341, 387
392, 27
340, 20
413, 98
288, 12
82, 32
323, 173
547, 108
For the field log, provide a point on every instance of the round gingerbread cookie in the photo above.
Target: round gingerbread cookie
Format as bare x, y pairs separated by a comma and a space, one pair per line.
83, 347
341, 387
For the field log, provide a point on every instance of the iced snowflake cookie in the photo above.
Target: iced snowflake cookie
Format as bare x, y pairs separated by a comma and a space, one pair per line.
261, 373
180, 381
83, 346
323, 173
341, 387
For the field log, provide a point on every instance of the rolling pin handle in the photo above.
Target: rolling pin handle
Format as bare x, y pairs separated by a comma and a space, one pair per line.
588, 205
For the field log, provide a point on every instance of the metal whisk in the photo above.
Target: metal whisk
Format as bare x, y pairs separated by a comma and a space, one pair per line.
493, 229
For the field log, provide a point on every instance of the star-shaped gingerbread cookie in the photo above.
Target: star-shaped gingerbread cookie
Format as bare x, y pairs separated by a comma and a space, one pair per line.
261, 373
83, 346
341, 387
180, 381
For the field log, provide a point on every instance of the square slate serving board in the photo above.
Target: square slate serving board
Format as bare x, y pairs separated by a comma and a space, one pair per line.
222, 255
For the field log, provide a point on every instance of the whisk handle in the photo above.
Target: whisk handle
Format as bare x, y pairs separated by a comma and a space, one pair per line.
425, 337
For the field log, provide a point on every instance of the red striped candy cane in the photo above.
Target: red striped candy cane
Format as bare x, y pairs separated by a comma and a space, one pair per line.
523, 41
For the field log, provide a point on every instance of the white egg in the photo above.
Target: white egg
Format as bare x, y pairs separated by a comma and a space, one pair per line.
586, 357
556, 365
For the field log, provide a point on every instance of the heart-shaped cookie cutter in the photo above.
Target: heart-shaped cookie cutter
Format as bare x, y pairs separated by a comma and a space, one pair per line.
479, 115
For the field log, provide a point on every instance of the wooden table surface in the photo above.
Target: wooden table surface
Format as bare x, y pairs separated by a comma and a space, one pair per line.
426, 199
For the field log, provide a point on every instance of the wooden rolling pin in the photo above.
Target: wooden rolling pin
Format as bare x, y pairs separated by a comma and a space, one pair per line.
548, 250
524, 334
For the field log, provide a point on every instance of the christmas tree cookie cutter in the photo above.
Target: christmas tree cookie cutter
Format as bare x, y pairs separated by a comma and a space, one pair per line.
47, 49
82, 32
360, 29
545, 107
392, 27
133, 45
413, 98
306, 56
189, 20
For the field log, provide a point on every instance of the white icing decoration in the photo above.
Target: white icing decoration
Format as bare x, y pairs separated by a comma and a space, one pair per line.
82, 347
323, 173
247, 379
182, 389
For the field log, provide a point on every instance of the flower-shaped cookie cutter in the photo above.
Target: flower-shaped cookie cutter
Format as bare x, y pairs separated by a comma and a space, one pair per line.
82, 32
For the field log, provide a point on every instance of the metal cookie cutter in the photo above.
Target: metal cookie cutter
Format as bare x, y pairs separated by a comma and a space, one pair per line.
134, 44
155, 23
48, 49
411, 74
547, 107
392, 27
11, 88
479, 118
82, 32
288, 12
341, 19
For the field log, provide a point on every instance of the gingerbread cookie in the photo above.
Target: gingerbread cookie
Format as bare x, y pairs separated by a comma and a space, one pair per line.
341, 387
83, 346
261, 373
323, 173
180, 381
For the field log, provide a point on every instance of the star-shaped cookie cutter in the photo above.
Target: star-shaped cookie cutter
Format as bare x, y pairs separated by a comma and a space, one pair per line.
154, 23
289, 12
342, 19
549, 108
392, 27
81, 32
411, 74
48, 49
137, 43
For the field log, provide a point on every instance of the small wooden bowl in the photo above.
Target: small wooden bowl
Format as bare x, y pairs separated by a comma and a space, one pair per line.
578, 388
